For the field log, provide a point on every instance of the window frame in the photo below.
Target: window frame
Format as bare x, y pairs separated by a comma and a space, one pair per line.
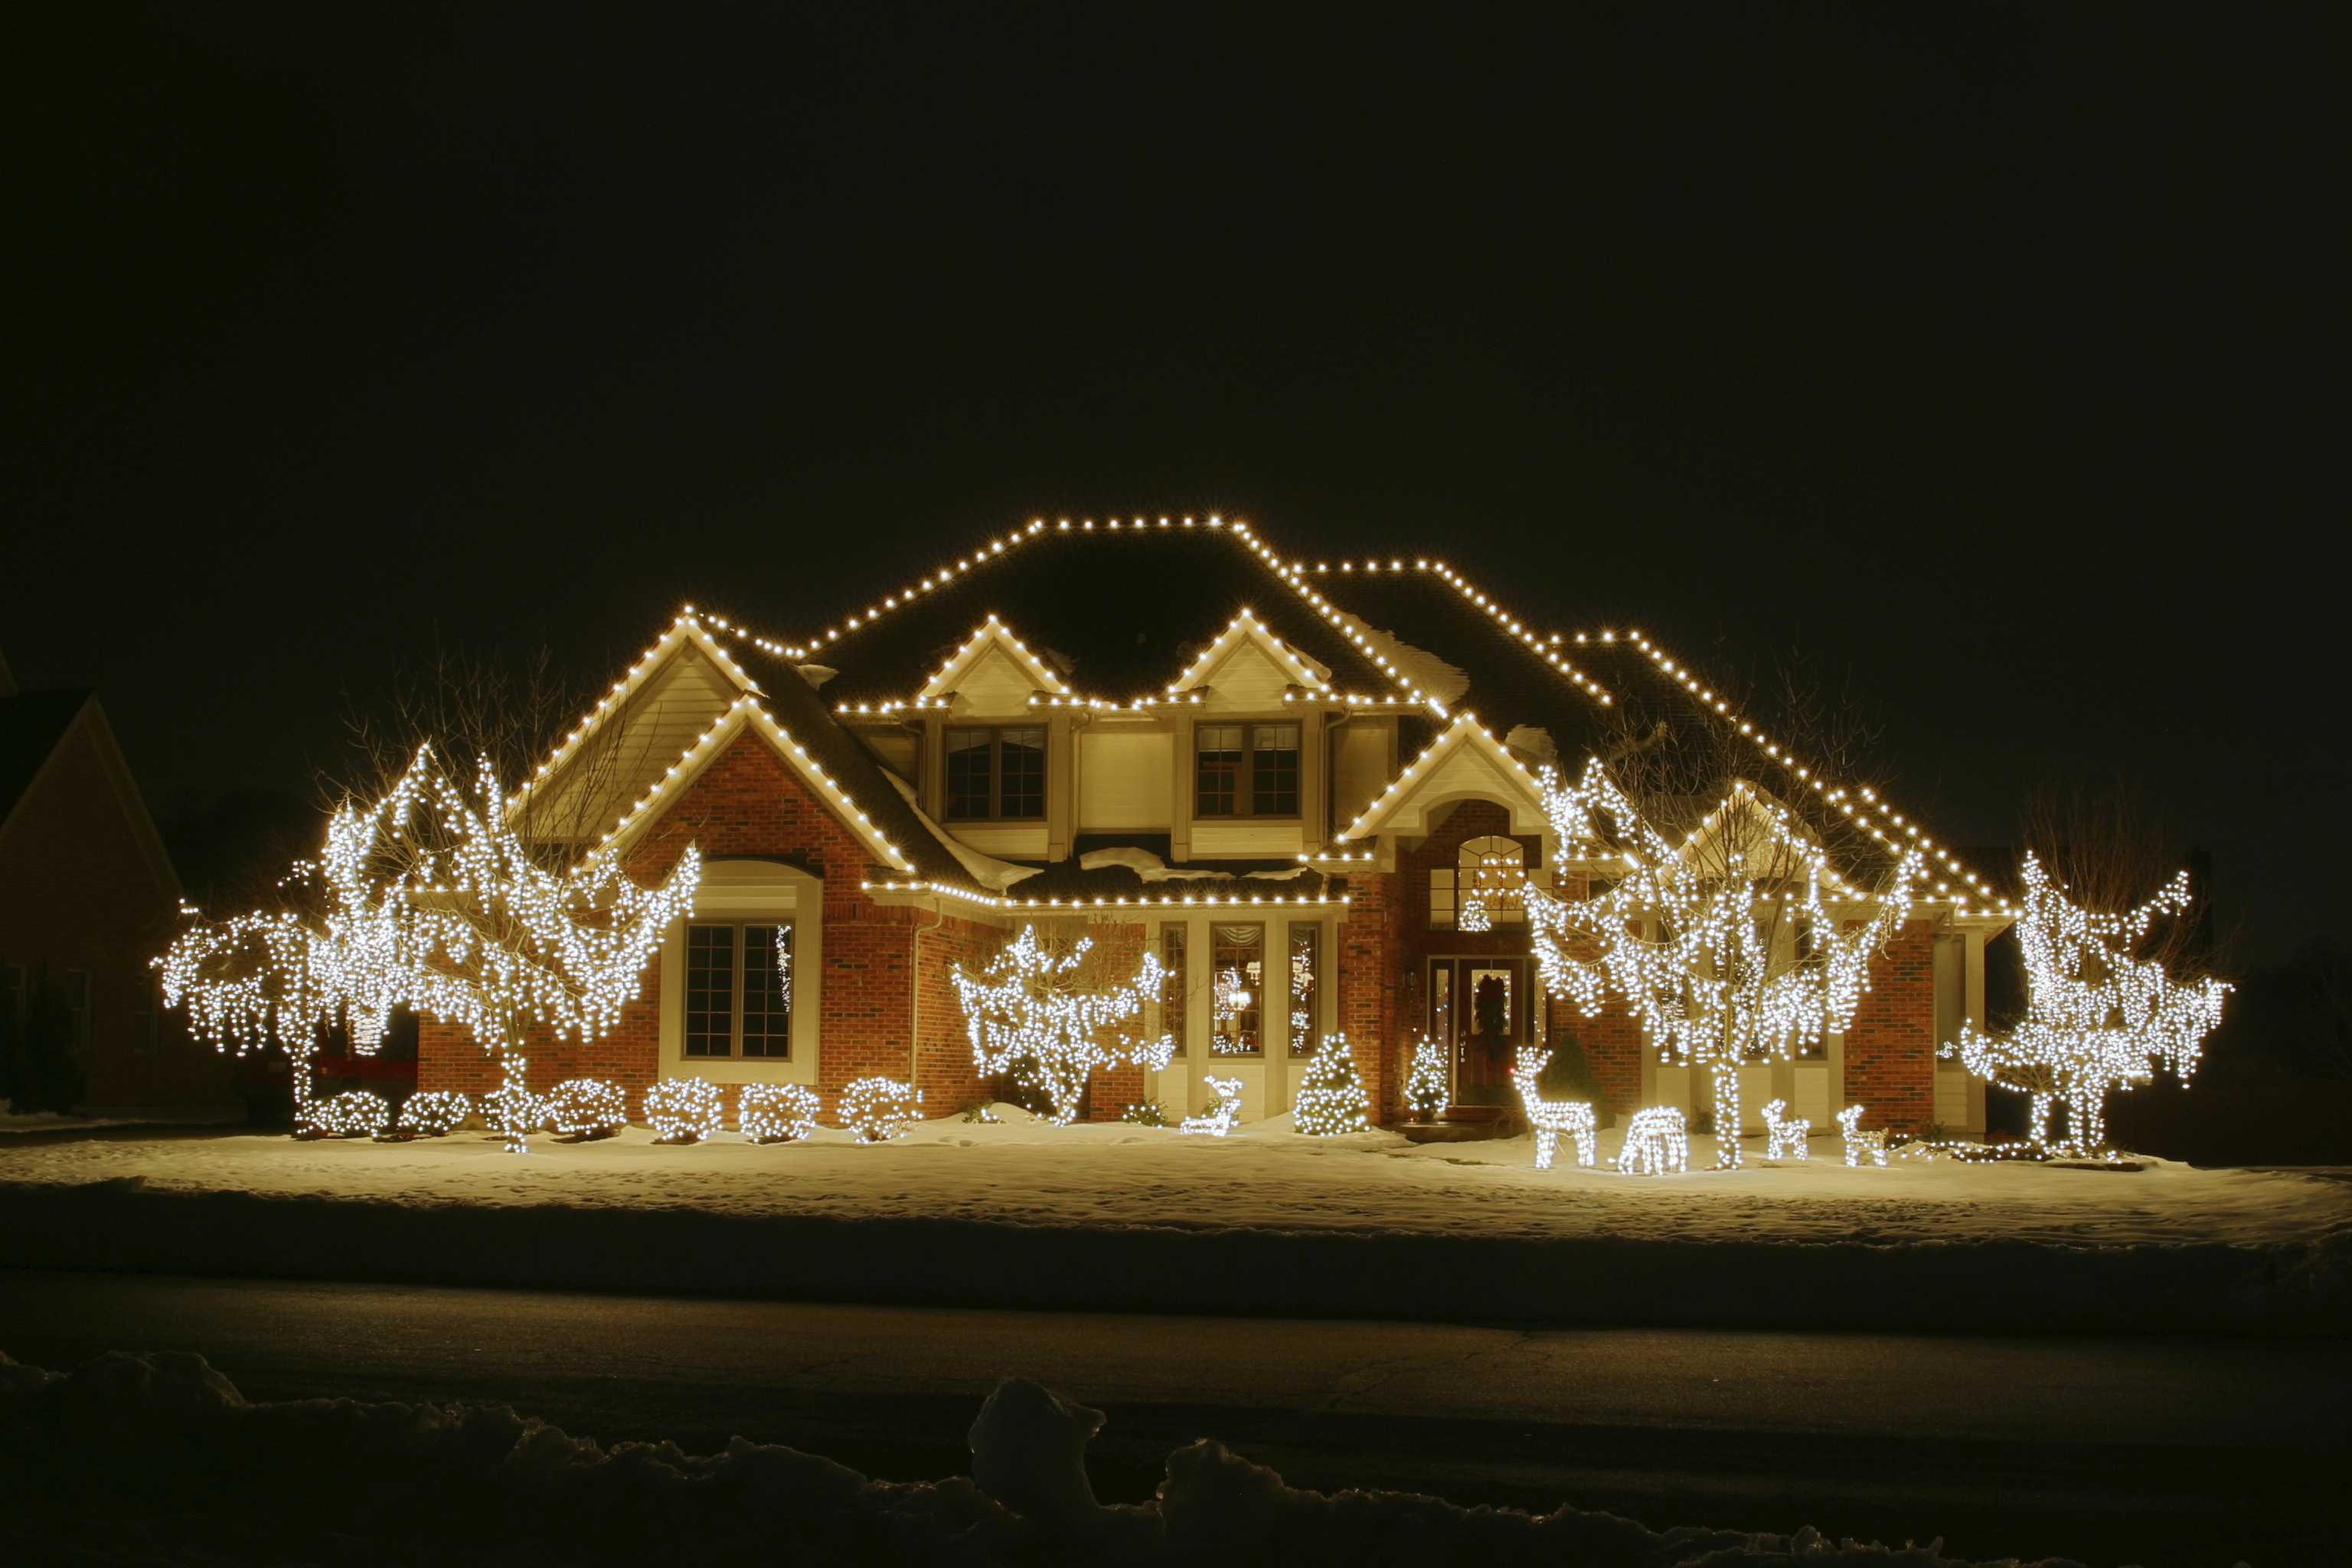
995, 734
1245, 770
1257, 1010
778, 1036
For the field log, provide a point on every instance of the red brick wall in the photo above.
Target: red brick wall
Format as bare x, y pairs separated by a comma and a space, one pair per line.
1890, 1050
1369, 1005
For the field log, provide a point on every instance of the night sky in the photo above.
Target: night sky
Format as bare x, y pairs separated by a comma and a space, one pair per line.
1981, 355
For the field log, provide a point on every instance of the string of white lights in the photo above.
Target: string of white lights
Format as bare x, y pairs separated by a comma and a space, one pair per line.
1428, 1086
1219, 1119
1787, 1137
1551, 1118
436, 1112
684, 1109
1862, 1148
880, 1109
1331, 1098
587, 1108
776, 1112
1657, 1144
1059, 1015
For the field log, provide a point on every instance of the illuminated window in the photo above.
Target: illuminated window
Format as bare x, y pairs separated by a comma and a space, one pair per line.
1238, 973
1171, 1003
1485, 888
738, 989
1245, 770
996, 773
1305, 947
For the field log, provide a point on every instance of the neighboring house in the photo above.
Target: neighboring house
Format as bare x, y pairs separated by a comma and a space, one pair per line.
87, 898
1285, 777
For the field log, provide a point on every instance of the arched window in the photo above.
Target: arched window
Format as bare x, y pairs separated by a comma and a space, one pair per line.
1484, 886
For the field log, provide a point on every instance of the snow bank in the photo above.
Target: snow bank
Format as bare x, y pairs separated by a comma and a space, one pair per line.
158, 1458
1116, 1217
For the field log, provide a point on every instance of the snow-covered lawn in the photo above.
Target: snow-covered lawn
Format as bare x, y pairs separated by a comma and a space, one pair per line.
1015, 1181
157, 1458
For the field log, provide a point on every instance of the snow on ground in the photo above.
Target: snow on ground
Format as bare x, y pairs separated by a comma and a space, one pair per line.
157, 1459
1119, 1217
1261, 1177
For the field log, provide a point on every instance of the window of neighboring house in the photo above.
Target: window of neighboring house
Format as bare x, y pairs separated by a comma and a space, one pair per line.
996, 773
1305, 947
738, 989
1245, 770
1171, 1000
77, 1007
138, 1005
1238, 975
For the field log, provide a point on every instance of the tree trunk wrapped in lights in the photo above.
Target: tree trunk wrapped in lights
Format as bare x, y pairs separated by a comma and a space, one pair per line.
1737, 943
1060, 1014
2098, 1015
425, 898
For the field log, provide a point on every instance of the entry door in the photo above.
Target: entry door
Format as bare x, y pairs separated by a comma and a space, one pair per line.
1484, 1008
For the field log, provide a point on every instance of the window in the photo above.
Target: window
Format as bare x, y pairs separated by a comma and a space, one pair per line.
996, 773
1239, 976
78, 1001
1245, 770
1482, 888
138, 1005
1305, 945
1172, 1005
738, 989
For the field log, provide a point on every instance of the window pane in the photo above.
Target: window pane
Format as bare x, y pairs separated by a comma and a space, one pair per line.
1304, 942
1218, 776
710, 991
767, 991
1239, 976
1171, 997
1021, 772
1441, 900
967, 772
1273, 770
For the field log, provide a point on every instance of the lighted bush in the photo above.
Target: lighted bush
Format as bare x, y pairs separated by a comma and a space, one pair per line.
355, 1114
588, 1107
879, 1109
435, 1113
776, 1112
683, 1110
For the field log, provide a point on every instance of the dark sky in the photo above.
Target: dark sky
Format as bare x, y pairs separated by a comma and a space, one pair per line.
1981, 354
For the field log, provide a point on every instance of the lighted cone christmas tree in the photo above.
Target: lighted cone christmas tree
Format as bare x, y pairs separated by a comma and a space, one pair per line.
1332, 1100
1427, 1088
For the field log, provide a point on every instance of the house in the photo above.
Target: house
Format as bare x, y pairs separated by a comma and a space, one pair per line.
1311, 787
87, 898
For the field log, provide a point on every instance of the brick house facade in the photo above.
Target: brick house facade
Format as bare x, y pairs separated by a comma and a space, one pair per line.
1277, 777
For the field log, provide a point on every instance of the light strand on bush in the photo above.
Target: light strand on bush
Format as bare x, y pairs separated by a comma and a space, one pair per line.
1219, 1119
1426, 1087
1724, 942
776, 1112
436, 1112
2097, 1018
354, 1113
511, 1109
1551, 1118
684, 1109
1657, 1144
1059, 1012
1331, 1098
880, 1109
587, 1108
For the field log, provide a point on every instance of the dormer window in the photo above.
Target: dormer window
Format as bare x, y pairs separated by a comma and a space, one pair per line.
996, 775
1245, 770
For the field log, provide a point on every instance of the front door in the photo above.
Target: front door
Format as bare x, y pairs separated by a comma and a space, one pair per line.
1484, 1009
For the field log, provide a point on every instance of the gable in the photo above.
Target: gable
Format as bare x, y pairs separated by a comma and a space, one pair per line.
992, 675
1248, 668
1465, 763
625, 747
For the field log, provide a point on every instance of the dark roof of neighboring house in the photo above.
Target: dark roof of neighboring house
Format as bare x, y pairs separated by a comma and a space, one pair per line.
31, 725
1126, 610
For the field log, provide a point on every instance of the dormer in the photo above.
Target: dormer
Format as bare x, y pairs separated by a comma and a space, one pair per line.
1249, 670
1465, 763
992, 676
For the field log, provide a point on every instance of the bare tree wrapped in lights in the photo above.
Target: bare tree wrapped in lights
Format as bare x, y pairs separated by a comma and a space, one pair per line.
428, 899
1061, 1015
1736, 943
2102, 1010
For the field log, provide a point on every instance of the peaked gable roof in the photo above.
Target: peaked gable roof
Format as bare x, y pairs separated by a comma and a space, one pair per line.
994, 639
1247, 636
34, 729
1465, 762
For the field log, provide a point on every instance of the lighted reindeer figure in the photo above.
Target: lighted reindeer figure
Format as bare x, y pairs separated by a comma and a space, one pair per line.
1655, 1143
1218, 1120
1551, 1118
1861, 1146
1787, 1135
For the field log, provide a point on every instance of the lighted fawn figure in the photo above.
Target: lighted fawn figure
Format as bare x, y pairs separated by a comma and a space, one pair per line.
1787, 1135
1860, 1146
1551, 1118
1655, 1143
1218, 1120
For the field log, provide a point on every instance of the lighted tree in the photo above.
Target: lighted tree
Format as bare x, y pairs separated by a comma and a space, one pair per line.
2101, 1011
427, 899
1331, 1099
1735, 942
1059, 1015
1426, 1089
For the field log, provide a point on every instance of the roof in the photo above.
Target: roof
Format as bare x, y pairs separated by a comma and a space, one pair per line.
31, 725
